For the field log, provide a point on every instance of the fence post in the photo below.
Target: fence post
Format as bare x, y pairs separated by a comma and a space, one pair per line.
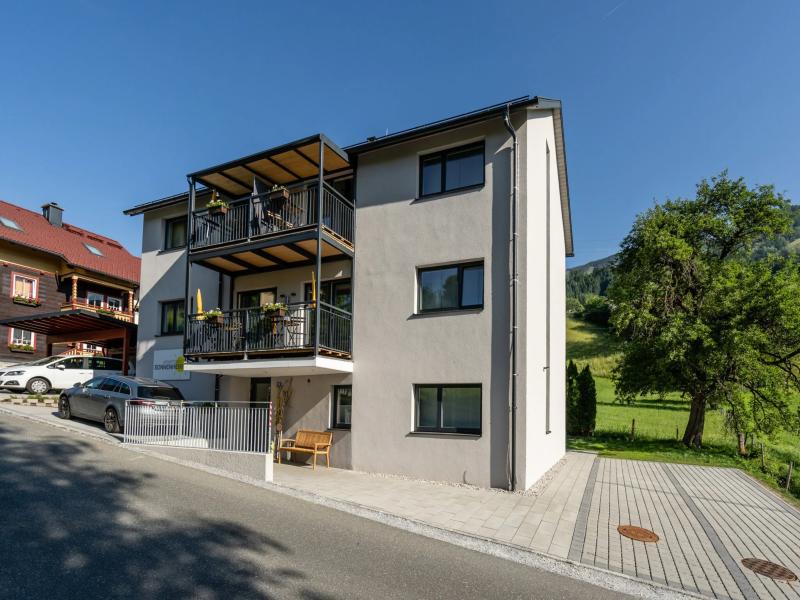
762, 457
633, 429
789, 476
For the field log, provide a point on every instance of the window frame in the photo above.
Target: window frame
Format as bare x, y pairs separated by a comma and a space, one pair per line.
93, 250
460, 266
167, 224
335, 424
11, 342
439, 429
162, 306
15, 274
443, 155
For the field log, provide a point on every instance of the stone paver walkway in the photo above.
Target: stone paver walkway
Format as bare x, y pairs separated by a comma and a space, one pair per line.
544, 522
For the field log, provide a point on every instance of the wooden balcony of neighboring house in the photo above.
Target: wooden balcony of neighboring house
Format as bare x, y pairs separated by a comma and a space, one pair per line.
273, 210
83, 303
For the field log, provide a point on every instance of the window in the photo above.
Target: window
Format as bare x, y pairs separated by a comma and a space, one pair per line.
452, 287
74, 362
93, 384
24, 286
124, 388
342, 406
20, 337
175, 233
114, 303
95, 299
337, 292
10, 224
164, 392
256, 298
101, 363
93, 249
452, 169
172, 317
448, 409
109, 385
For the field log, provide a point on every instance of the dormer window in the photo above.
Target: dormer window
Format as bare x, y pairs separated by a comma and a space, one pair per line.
94, 250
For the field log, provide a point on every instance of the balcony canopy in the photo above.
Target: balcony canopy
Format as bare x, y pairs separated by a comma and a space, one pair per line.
283, 165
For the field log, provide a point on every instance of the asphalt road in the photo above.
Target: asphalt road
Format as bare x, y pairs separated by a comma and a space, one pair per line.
83, 519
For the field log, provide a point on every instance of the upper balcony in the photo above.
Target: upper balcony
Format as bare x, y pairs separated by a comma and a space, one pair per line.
279, 207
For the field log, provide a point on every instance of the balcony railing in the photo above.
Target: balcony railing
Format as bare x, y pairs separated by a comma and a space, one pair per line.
250, 330
83, 303
259, 215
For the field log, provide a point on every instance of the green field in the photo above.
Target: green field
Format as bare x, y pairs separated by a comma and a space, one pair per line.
660, 421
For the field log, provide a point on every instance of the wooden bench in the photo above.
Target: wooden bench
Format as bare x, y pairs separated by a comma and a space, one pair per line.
309, 442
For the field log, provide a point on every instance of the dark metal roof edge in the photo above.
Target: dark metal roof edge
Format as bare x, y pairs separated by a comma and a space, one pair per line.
272, 151
446, 124
68, 313
161, 203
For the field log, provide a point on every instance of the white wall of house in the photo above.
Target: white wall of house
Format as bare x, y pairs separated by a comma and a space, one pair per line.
163, 279
542, 440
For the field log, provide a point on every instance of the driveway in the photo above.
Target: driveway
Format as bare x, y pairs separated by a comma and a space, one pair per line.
708, 520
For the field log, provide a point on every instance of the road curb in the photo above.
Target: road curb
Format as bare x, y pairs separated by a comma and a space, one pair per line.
610, 580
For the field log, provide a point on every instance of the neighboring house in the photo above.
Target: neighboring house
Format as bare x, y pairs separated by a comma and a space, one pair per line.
432, 358
62, 288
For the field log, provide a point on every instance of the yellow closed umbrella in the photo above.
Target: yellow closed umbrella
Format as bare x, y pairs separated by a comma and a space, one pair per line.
199, 301
313, 290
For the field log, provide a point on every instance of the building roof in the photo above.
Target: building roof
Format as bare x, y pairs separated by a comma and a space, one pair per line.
69, 242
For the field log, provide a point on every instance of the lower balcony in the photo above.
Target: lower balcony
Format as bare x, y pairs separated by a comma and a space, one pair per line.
107, 311
253, 333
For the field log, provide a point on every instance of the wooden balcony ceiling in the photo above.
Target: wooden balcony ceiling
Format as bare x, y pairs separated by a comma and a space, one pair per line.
282, 256
282, 165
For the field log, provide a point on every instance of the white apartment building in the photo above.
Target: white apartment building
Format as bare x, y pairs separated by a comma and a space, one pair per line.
409, 289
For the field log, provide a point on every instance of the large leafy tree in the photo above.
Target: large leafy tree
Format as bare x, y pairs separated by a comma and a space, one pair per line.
700, 314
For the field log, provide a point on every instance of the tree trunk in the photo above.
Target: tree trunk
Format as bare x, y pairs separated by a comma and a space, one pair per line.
693, 436
742, 439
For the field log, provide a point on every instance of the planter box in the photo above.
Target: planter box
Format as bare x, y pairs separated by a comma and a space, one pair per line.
215, 319
21, 349
280, 313
279, 195
218, 210
26, 302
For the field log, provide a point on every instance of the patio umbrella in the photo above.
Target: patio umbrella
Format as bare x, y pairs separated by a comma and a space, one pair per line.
313, 289
199, 301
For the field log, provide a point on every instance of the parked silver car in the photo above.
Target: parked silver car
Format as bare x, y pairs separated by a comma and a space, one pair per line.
103, 399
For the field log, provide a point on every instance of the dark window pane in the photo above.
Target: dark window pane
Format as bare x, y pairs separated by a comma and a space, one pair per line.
159, 393
172, 318
439, 289
427, 407
431, 174
343, 406
464, 168
472, 286
176, 233
461, 408
124, 389
109, 385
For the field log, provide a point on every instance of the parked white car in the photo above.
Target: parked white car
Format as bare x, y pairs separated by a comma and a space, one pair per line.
57, 372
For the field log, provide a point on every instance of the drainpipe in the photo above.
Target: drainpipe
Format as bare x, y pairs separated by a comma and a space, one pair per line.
512, 480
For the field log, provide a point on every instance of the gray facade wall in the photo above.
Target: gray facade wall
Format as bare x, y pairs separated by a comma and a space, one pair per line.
394, 348
163, 279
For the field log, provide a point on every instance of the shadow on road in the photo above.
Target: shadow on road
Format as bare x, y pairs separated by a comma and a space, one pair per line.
72, 527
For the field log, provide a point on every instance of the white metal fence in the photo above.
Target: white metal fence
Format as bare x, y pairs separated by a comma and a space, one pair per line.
223, 426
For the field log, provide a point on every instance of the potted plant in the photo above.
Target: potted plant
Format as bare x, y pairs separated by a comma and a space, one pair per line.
217, 207
27, 348
279, 193
213, 316
105, 311
26, 300
274, 309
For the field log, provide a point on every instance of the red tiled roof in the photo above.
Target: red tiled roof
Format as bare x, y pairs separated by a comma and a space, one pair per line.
69, 242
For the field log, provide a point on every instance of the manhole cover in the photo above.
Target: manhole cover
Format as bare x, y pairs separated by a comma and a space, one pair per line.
769, 569
638, 534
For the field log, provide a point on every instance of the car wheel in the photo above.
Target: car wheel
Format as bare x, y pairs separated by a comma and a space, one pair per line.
38, 385
64, 410
111, 421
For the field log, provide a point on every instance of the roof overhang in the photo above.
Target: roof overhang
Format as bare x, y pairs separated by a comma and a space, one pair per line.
274, 367
282, 165
76, 325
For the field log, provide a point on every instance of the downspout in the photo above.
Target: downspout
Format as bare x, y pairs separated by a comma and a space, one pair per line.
512, 480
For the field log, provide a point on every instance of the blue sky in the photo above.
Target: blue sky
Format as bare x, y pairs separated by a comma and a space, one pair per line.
107, 104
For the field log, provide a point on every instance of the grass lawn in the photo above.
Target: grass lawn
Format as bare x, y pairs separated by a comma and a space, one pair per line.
657, 420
